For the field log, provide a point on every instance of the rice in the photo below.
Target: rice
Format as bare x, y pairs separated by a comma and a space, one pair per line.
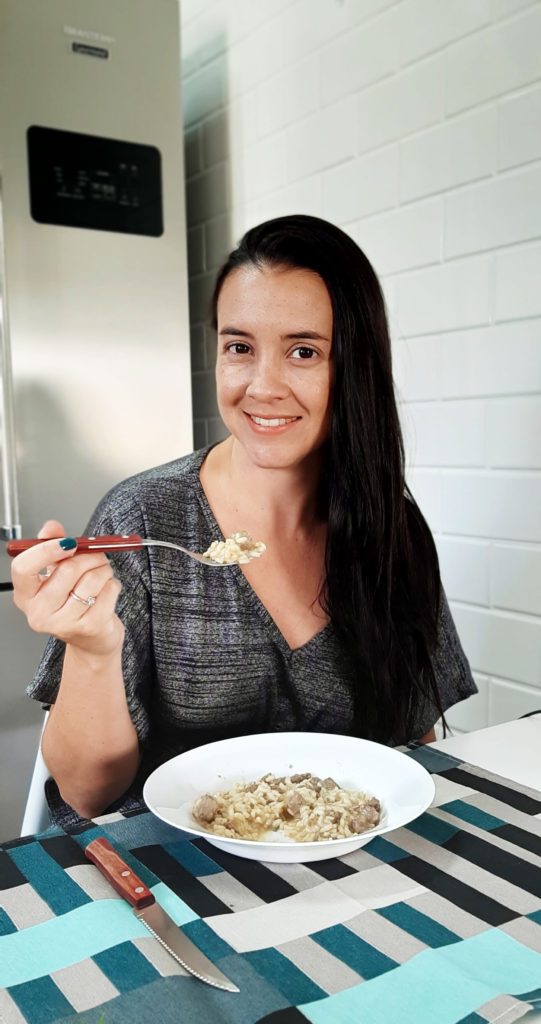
239, 547
302, 807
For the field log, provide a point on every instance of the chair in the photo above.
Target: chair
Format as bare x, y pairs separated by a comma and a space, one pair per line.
36, 812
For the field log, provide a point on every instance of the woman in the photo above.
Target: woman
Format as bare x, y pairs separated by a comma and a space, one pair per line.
340, 627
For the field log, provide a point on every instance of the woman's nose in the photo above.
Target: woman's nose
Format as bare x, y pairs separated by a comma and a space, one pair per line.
268, 379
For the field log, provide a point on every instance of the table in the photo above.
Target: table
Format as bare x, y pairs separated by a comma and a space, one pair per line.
436, 922
512, 749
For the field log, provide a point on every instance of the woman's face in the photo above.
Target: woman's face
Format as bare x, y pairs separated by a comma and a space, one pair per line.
274, 362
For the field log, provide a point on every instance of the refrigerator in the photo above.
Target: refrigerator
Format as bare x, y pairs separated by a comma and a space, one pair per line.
94, 330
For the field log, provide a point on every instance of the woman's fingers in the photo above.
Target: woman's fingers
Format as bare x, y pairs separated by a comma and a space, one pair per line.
93, 628
52, 528
96, 627
85, 574
26, 567
68, 594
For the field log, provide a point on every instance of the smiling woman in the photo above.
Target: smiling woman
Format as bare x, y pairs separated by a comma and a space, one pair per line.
340, 627
274, 364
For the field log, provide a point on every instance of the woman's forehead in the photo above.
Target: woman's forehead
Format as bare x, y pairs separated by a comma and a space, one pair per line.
263, 291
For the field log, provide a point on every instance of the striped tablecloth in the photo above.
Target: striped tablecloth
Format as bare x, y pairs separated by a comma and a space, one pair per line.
437, 922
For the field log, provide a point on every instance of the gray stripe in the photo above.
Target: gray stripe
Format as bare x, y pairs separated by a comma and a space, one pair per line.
380, 887
165, 964
529, 822
91, 881
9, 1012
285, 920
504, 1009
24, 906
300, 876
386, 936
482, 773
448, 914
361, 860
458, 867
488, 837
84, 985
230, 891
319, 965
447, 790
524, 931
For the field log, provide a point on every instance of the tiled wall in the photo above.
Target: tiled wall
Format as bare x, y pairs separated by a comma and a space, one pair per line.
416, 126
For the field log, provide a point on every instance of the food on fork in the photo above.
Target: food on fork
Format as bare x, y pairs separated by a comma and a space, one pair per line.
302, 807
239, 547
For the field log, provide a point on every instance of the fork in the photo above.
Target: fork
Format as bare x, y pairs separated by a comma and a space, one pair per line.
116, 542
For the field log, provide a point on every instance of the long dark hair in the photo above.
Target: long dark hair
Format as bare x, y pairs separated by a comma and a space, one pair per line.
382, 584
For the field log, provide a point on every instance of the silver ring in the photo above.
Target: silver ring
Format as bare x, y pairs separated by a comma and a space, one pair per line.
89, 601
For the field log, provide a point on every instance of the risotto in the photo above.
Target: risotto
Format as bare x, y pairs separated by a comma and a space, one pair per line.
302, 807
239, 547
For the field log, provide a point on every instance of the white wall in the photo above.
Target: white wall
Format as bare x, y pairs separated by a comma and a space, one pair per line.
415, 126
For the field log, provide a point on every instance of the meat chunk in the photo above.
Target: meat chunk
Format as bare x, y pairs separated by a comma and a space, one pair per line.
293, 805
206, 808
363, 818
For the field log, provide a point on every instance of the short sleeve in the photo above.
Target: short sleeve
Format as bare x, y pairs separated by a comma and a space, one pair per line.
452, 671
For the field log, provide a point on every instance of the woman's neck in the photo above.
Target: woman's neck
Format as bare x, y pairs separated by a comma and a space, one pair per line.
284, 498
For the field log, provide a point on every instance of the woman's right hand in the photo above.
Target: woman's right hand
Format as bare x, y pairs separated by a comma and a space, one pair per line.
45, 578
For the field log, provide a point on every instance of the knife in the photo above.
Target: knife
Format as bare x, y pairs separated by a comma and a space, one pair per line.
163, 928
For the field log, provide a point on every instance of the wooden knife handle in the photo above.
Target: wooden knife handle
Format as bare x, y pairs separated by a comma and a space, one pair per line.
119, 874
111, 542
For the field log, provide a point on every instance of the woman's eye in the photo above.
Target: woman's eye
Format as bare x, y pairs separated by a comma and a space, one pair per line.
304, 352
238, 348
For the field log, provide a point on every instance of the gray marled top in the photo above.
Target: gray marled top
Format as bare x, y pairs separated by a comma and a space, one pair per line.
202, 658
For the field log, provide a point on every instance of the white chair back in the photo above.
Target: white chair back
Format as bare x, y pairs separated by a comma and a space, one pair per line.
36, 813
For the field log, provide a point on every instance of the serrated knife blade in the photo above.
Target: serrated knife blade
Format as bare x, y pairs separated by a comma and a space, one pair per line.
143, 902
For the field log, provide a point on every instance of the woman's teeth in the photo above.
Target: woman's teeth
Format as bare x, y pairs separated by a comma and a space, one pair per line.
272, 423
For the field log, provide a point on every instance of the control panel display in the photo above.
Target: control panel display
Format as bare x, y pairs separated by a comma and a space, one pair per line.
86, 181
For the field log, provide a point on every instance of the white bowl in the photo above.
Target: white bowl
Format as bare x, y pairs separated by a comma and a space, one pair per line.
404, 788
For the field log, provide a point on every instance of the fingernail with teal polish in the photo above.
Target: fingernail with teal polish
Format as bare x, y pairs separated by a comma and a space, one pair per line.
68, 543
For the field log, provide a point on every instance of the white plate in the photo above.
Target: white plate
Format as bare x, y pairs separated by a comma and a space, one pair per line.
404, 788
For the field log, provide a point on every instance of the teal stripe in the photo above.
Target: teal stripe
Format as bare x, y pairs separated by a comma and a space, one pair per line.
51, 945
433, 829
535, 916
432, 759
474, 815
415, 923
384, 850
6, 924
531, 997
52, 883
141, 830
354, 951
443, 985
41, 1001
279, 972
211, 944
126, 967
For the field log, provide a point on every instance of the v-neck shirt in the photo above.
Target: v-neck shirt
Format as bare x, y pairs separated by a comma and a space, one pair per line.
203, 659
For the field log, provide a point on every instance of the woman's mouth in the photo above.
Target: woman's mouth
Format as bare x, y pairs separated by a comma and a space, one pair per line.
270, 422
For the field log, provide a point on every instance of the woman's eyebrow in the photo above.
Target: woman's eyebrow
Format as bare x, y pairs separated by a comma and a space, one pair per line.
235, 330
314, 335
300, 335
